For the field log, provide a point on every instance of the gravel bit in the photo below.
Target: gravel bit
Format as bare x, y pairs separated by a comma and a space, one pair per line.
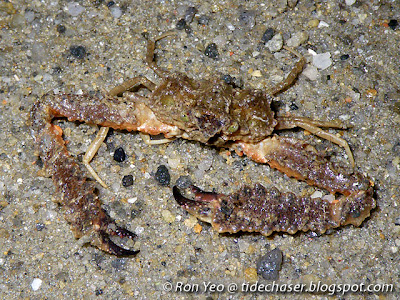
268, 266
212, 51
344, 57
189, 14
293, 106
275, 44
397, 221
61, 28
247, 18
127, 180
78, 51
181, 24
393, 24
162, 175
203, 20
119, 154
268, 34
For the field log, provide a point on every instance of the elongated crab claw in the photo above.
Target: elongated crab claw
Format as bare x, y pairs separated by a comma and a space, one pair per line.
263, 210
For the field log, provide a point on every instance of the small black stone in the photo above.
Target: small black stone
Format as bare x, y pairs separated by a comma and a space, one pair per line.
393, 24
181, 24
57, 70
162, 175
269, 265
293, 106
119, 154
344, 57
61, 28
78, 51
212, 51
40, 226
127, 180
110, 3
98, 292
228, 79
268, 34
397, 221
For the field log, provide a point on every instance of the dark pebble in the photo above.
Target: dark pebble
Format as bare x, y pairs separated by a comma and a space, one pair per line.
293, 106
397, 221
344, 57
183, 182
127, 180
189, 14
211, 51
40, 226
98, 292
57, 70
268, 266
119, 154
110, 3
393, 24
162, 175
39, 162
78, 51
181, 24
61, 28
203, 20
228, 79
268, 34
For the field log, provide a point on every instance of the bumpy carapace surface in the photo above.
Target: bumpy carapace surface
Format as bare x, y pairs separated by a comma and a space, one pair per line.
214, 113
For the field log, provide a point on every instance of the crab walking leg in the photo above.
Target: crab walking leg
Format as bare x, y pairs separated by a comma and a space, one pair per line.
294, 73
131, 84
102, 134
151, 45
300, 160
82, 207
91, 152
313, 127
263, 210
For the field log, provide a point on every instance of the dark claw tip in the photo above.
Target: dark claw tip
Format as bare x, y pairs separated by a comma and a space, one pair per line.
114, 249
179, 197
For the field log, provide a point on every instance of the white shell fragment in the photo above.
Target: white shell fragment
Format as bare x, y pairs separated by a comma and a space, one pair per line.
322, 61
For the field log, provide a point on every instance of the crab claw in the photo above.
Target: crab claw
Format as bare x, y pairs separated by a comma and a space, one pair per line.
104, 228
109, 246
202, 207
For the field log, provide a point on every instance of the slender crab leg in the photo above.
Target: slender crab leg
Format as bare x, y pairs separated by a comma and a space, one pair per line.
300, 160
313, 126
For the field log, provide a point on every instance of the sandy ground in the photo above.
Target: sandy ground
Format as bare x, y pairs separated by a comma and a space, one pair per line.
48, 46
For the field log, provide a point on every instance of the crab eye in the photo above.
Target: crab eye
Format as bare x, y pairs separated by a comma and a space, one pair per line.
233, 128
184, 117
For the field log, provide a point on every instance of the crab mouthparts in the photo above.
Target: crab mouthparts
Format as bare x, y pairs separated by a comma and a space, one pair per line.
203, 205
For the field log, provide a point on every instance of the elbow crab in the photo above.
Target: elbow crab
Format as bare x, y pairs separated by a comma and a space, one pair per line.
216, 114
